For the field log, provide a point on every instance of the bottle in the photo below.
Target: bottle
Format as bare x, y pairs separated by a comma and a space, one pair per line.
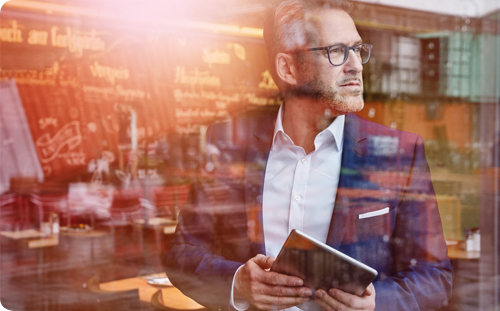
54, 220
476, 238
469, 242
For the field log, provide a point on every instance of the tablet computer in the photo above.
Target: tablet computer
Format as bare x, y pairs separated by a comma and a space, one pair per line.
321, 266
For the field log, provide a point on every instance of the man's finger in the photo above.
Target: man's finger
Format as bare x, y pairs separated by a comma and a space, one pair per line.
263, 306
350, 300
263, 261
324, 305
285, 291
283, 302
274, 278
325, 301
370, 290
277, 279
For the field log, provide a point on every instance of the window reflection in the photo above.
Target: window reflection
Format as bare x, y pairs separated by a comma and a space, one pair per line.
109, 144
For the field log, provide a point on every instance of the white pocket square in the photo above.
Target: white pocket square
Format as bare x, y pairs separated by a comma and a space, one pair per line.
374, 213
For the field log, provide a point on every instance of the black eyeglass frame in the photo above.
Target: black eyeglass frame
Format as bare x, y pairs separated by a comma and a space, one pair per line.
346, 53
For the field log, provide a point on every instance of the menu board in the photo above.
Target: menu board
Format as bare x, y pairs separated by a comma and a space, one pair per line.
79, 80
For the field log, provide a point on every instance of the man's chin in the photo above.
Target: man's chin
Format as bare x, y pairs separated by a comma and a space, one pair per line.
347, 105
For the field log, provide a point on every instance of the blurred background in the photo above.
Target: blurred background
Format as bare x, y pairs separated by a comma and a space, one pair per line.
103, 119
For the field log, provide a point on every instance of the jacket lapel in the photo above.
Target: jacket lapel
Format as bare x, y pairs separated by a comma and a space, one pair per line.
353, 157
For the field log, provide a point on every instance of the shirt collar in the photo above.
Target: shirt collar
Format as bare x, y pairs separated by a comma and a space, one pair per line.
336, 128
278, 127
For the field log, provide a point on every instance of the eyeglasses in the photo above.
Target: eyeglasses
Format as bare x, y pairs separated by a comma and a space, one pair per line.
338, 53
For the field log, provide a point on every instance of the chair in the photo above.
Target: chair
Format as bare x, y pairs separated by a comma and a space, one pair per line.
89, 205
14, 213
41, 206
170, 199
126, 206
128, 238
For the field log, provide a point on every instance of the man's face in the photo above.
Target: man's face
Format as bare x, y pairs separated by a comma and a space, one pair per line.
340, 88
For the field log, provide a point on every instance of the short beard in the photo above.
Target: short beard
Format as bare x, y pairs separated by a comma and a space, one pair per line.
338, 103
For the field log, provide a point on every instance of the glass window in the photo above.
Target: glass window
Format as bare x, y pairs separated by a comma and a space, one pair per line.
149, 150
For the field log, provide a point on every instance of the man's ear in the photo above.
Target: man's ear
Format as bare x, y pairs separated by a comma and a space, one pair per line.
286, 68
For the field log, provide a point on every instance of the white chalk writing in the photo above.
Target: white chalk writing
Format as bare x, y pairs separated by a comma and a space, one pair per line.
118, 90
187, 129
215, 57
38, 37
12, 33
73, 158
267, 81
195, 78
129, 94
199, 113
238, 49
77, 41
253, 99
182, 96
108, 73
50, 147
44, 122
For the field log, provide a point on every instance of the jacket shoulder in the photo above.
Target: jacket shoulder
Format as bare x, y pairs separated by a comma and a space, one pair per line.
367, 128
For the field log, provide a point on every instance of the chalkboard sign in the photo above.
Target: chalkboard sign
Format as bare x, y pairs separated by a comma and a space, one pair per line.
79, 78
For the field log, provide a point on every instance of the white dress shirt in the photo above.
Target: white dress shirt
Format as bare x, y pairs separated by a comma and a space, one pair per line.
299, 188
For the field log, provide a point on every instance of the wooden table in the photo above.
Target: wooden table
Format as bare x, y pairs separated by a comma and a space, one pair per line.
172, 297
21, 234
36, 240
456, 252
167, 225
87, 234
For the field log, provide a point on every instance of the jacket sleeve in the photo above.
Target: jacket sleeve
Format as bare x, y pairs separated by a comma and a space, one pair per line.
210, 241
194, 262
421, 277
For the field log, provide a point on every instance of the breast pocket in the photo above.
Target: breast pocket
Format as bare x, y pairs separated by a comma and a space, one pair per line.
372, 218
370, 222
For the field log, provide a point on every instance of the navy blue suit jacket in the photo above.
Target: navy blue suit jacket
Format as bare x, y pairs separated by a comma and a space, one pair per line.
220, 227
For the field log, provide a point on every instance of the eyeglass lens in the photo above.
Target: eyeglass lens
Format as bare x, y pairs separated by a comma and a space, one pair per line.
340, 53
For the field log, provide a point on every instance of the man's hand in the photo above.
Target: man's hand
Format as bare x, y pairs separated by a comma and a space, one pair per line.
269, 290
338, 300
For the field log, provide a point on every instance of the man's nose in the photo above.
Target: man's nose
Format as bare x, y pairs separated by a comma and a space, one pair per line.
353, 63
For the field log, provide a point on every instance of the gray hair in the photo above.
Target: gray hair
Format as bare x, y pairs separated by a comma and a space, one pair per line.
288, 23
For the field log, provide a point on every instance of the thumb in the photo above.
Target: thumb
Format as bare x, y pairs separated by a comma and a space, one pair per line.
263, 261
369, 290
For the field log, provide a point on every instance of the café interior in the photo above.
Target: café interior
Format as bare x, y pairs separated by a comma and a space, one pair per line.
104, 111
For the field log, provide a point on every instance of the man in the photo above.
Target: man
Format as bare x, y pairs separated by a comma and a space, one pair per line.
317, 168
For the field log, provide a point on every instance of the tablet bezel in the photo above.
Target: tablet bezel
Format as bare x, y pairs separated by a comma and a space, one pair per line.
295, 259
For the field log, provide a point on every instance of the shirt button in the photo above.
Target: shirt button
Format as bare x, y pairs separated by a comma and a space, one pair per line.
303, 161
297, 198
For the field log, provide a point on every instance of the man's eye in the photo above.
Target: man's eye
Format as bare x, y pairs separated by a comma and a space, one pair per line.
337, 50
